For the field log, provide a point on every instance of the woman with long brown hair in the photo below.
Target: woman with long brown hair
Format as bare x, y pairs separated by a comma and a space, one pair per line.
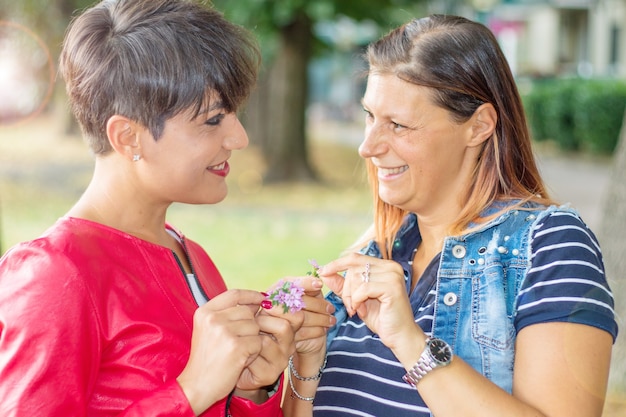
474, 293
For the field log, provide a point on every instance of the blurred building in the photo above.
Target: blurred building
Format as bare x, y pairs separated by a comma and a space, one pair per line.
545, 38
540, 38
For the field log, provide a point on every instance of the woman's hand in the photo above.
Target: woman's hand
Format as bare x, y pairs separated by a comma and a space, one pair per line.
312, 322
226, 339
375, 290
277, 345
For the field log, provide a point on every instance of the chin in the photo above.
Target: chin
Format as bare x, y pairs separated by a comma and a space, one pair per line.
210, 199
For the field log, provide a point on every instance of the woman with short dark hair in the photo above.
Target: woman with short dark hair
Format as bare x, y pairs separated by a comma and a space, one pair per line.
113, 311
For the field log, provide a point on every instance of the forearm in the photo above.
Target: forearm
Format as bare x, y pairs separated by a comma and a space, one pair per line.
458, 390
298, 401
561, 369
446, 390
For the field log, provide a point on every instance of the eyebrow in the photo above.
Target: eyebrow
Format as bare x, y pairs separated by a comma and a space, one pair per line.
216, 105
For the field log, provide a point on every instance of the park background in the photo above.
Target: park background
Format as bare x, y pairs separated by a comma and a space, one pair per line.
299, 191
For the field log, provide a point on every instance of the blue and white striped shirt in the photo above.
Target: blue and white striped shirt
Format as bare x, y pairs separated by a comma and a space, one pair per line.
566, 283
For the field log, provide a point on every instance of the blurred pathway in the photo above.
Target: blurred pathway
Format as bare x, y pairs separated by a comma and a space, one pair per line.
582, 182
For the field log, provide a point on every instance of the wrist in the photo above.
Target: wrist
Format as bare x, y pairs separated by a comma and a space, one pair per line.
436, 354
308, 364
198, 401
409, 349
303, 384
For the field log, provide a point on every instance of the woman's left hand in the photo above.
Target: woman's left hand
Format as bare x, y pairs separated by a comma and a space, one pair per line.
277, 345
375, 290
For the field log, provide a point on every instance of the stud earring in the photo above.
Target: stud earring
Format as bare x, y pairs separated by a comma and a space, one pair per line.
136, 157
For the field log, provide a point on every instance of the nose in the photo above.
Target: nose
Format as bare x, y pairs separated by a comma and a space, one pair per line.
236, 137
374, 141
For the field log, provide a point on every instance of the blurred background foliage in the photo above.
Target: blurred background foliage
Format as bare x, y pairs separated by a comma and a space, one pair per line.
307, 43
577, 114
291, 34
299, 191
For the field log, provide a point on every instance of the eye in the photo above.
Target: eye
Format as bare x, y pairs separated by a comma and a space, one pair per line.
397, 126
215, 120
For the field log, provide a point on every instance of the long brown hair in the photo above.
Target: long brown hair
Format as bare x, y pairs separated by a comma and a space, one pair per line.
463, 64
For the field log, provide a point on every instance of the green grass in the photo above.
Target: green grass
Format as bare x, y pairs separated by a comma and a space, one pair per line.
259, 234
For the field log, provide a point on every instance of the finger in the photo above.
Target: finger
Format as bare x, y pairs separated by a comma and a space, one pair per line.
308, 333
317, 305
344, 263
279, 328
232, 298
386, 292
254, 347
334, 282
312, 285
346, 294
237, 320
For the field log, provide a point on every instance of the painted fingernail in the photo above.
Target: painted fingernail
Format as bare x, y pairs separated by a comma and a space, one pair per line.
264, 294
266, 304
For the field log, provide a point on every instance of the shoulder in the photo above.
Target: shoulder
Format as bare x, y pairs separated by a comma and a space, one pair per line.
40, 268
51, 268
561, 233
566, 281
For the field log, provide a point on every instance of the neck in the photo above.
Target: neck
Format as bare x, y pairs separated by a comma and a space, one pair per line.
115, 203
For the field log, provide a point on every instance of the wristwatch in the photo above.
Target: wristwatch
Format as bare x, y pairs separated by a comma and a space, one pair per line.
436, 354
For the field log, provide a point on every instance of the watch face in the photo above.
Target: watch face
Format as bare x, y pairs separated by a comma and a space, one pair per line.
440, 350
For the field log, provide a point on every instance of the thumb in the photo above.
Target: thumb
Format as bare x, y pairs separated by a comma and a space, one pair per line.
334, 282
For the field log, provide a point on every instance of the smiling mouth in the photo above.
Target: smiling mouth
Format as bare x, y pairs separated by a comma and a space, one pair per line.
218, 167
392, 171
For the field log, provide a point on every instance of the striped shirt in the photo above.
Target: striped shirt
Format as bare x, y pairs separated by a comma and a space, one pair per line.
565, 283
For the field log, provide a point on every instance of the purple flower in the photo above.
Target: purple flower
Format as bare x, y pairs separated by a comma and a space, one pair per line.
316, 266
287, 294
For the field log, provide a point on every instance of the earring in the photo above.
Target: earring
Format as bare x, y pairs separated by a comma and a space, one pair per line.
136, 157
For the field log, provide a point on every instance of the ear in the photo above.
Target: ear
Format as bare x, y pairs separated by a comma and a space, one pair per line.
484, 123
123, 136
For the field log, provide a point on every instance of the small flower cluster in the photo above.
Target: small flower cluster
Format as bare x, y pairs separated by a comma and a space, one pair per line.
287, 294
316, 266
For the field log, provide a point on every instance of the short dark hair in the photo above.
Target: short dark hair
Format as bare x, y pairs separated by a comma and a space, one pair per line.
150, 60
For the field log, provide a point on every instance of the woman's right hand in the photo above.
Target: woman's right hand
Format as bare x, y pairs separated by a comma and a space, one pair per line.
375, 290
225, 340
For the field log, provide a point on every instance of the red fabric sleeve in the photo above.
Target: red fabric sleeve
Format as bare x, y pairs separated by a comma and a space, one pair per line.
241, 407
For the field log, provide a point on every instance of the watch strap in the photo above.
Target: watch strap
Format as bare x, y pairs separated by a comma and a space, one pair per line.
422, 367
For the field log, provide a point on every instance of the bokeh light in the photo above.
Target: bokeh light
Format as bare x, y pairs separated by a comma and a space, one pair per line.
26, 73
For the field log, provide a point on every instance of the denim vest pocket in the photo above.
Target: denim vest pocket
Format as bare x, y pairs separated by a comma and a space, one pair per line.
492, 322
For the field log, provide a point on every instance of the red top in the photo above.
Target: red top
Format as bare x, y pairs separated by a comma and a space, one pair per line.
97, 322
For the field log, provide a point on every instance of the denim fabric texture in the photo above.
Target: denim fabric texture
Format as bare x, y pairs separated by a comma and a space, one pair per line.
479, 277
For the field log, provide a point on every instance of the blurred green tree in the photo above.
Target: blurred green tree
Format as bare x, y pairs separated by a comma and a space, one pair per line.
276, 114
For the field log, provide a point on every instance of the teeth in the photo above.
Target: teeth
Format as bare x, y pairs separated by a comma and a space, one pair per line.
218, 167
392, 171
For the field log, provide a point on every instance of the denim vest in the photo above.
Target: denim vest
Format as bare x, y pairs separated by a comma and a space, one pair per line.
480, 274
